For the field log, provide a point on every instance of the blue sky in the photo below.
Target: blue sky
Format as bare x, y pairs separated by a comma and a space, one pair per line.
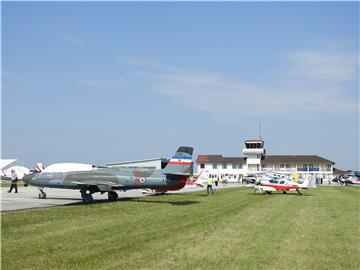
102, 82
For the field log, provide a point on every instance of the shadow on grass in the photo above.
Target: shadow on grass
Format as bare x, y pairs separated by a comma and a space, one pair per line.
204, 194
136, 200
179, 203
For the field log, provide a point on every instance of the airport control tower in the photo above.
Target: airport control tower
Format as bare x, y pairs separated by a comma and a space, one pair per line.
254, 152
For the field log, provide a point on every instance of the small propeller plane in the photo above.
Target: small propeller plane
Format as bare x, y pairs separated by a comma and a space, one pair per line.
284, 185
348, 178
90, 179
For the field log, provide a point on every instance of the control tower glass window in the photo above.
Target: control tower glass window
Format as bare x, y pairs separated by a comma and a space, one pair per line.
254, 145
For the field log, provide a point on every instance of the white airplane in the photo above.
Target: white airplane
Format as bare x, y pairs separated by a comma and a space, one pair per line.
284, 185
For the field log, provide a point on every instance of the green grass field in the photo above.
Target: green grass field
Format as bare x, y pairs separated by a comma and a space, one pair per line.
232, 229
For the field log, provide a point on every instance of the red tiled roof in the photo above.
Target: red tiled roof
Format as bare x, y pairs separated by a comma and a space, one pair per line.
338, 171
296, 158
267, 159
219, 159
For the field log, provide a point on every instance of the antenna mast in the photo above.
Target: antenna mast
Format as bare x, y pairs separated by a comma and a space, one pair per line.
260, 131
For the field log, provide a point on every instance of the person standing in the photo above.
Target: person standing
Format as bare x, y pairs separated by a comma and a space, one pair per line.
216, 181
14, 180
240, 179
209, 185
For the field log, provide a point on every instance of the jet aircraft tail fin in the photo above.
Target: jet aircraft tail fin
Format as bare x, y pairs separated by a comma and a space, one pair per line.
181, 162
307, 184
198, 180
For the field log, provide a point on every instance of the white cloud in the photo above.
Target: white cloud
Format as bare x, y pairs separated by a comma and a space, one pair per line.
324, 65
227, 99
316, 87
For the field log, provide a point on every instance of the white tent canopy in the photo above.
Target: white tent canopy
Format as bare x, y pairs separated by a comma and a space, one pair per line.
6, 163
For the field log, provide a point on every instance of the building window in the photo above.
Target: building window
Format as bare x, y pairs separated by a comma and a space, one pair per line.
224, 165
202, 166
328, 167
282, 165
311, 165
237, 165
287, 166
304, 166
214, 166
263, 166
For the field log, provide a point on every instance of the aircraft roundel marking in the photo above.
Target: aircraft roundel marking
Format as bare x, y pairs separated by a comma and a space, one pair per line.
142, 180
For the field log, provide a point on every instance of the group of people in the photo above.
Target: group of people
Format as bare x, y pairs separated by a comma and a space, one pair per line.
215, 181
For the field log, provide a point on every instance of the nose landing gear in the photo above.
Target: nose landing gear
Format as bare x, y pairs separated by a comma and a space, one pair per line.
42, 194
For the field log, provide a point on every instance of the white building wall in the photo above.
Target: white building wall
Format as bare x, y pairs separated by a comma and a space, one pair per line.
233, 174
273, 167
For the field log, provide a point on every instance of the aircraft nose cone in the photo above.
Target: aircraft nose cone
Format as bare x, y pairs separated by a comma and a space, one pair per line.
27, 179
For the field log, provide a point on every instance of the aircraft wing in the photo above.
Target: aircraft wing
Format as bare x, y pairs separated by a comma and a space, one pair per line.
102, 185
104, 180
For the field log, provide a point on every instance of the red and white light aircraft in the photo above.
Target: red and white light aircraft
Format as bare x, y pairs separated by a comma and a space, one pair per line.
284, 185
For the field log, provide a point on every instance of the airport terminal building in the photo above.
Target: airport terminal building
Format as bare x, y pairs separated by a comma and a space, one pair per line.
256, 161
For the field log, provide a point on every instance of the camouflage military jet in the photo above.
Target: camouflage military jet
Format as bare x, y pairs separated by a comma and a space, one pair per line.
89, 179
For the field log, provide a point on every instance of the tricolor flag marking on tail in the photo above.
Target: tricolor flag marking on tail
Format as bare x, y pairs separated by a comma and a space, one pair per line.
39, 167
180, 160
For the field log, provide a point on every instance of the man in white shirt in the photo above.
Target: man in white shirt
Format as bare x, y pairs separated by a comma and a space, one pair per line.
14, 180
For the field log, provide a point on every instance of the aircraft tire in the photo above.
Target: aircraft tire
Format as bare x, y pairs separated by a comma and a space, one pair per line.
42, 195
284, 192
112, 196
87, 198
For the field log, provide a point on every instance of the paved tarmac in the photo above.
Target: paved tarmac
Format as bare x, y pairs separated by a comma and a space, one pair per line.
27, 197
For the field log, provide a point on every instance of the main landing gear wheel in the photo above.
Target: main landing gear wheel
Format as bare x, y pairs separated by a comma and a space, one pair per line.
42, 195
112, 196
87, 198
284, 192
